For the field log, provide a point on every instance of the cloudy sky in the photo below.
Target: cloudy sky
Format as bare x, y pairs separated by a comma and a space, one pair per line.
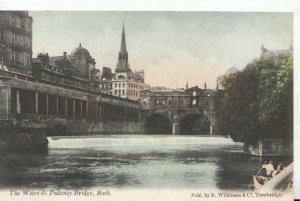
172, 47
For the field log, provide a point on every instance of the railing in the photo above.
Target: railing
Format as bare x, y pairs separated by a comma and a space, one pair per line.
29, 78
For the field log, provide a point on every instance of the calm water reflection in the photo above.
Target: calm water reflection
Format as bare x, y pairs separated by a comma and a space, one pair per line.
132, 161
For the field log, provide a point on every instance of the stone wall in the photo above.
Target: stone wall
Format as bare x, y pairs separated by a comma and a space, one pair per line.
113, 127
77, 127
62, 126
270, 147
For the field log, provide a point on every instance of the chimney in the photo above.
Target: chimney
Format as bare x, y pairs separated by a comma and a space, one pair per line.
65, 55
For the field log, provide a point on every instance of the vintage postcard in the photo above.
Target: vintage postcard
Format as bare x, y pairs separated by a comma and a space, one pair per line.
146, 105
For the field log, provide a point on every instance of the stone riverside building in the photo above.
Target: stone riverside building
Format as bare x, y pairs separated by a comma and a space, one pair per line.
53, 95
16, 39
77, 69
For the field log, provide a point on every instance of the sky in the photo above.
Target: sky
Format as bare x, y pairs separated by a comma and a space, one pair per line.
172, 47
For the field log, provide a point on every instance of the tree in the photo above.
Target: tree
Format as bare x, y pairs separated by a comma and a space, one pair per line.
256, 102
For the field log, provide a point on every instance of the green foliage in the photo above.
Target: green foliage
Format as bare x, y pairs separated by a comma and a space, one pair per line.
257, 101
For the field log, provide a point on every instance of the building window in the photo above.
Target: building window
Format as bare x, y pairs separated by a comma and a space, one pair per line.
2, 35
23, 25
123, 85
123, 92
119, 85
170, 103
194, 101
51, 77
116, 85
194, 93
13, 56
17, 56
116, 92
13, 22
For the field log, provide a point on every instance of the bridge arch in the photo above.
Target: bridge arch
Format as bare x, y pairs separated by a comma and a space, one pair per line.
157, 123
194, 124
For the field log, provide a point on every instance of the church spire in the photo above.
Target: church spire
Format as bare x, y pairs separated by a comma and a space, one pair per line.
123, 41
123, 65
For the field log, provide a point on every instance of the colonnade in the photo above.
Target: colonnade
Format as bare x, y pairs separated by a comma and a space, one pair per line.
32, 102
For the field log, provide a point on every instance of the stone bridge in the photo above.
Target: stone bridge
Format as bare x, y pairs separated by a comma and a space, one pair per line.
189, 111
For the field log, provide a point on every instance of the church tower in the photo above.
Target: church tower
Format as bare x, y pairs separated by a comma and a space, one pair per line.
123, 65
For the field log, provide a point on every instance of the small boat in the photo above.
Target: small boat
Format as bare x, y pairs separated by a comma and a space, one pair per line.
256, 183
280, 181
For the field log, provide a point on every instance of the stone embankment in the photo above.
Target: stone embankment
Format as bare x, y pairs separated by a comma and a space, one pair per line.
23, 140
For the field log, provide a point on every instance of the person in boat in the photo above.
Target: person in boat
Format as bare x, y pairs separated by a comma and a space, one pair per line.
269, 167
265, 173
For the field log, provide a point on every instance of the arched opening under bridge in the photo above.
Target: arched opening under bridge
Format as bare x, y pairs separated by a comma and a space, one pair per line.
194, 124
158, 124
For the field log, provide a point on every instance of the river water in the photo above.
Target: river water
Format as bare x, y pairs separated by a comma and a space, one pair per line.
132, 161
